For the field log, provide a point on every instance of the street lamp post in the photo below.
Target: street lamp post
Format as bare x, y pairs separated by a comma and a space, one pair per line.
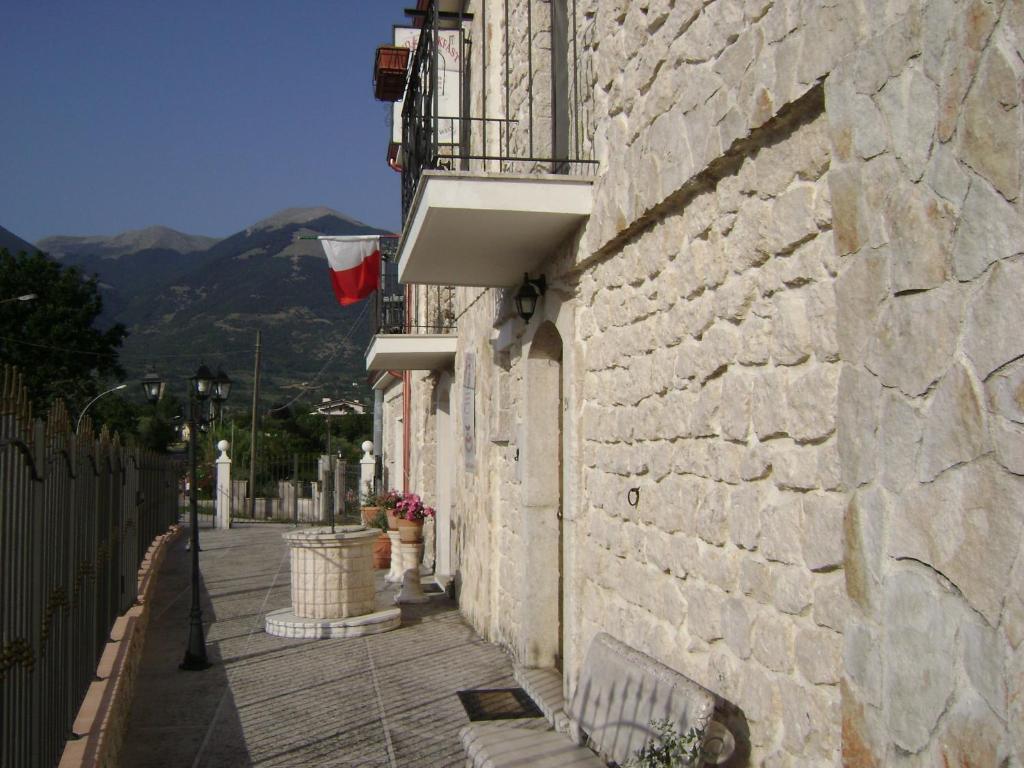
89, 404
205, 386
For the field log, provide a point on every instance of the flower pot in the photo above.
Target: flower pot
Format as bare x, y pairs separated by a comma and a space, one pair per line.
368, 514
410, 531
382, 551
389, 72
392, 519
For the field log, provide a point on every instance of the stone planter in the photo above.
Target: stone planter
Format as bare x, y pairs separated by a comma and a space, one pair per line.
410, 531
332, 573
382, 552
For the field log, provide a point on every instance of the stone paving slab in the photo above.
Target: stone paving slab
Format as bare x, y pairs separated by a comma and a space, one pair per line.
385, 700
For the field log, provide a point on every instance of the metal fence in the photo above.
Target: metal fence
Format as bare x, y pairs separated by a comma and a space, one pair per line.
77, 514
299, 488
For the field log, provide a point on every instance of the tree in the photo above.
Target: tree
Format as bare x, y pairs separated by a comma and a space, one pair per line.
53, 340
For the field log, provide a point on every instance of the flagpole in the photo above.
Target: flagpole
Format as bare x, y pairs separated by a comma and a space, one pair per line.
318, 237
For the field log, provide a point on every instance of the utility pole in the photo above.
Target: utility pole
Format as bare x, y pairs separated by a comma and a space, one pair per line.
252, 431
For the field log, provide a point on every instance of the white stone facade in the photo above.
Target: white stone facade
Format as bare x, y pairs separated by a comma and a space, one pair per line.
792, 327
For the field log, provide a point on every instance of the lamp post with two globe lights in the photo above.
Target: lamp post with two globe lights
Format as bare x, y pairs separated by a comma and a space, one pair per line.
205, 386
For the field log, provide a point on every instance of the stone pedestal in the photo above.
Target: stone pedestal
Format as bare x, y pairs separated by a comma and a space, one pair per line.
223, 500
333, 590
412, 589
397, 569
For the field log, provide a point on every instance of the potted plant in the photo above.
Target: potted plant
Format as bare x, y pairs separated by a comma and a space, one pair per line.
411, 512
389, 502
668, 748
382, 544
371, 505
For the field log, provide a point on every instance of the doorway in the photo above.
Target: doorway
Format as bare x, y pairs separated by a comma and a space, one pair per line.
443, 562
543, 577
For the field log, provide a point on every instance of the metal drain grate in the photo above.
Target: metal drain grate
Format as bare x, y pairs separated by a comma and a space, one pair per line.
498, 704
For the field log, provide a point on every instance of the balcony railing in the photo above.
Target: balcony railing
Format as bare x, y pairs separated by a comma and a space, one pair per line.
524, 128
432, 307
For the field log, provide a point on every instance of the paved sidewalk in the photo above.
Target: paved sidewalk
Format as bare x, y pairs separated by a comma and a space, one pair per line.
384, 700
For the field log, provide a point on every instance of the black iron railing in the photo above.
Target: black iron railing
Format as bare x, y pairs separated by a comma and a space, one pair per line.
77, 514
533, 132
432, 312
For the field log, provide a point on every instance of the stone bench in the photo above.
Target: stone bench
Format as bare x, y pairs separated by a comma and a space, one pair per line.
620, 692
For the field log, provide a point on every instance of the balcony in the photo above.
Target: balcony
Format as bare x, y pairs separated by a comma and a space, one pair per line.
493, 180
419, 337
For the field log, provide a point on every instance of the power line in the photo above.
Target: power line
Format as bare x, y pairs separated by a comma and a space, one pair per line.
307, 385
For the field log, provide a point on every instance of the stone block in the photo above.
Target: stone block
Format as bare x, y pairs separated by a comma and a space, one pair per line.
899, 441
735, 623
819, 655
780, 519
849, 210
822, 531
821, 310
711, 521
791, 588
991, 131
897, 355
768, 404
920, 226
791, 336
744, 515
811, 398
970, 734
990, 229
703, 613
830, 603
864, 530
857, 424
921, 622
795, 467
994, 319
862, 661
970, 514
982, 656
860, 290
772, 641
910, 104
954, 425
755, 579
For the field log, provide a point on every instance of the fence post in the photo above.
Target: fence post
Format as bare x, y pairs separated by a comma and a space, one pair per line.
367, 464
223, 486
295, 485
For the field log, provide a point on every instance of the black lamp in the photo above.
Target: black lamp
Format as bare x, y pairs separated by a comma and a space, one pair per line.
152, 385
204, 386
528, 295
221, 386
202, 383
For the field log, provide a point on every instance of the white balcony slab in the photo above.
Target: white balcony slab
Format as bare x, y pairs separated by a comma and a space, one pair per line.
411, 352
487, 230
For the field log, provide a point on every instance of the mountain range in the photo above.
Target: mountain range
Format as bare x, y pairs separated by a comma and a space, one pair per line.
187, 299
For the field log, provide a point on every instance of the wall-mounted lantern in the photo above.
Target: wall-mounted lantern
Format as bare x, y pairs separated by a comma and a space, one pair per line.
528, 295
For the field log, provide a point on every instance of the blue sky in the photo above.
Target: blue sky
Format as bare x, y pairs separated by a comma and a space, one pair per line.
202, 116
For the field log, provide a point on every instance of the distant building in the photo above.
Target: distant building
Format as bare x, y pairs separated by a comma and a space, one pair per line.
765, 422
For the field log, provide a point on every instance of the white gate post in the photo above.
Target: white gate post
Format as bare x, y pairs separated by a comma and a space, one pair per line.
223, 486
367, 464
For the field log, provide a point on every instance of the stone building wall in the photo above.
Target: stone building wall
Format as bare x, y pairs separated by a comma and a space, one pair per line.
792, 322
711, 375
926, 126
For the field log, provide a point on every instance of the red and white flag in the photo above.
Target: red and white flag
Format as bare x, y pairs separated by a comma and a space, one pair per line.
355, 266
